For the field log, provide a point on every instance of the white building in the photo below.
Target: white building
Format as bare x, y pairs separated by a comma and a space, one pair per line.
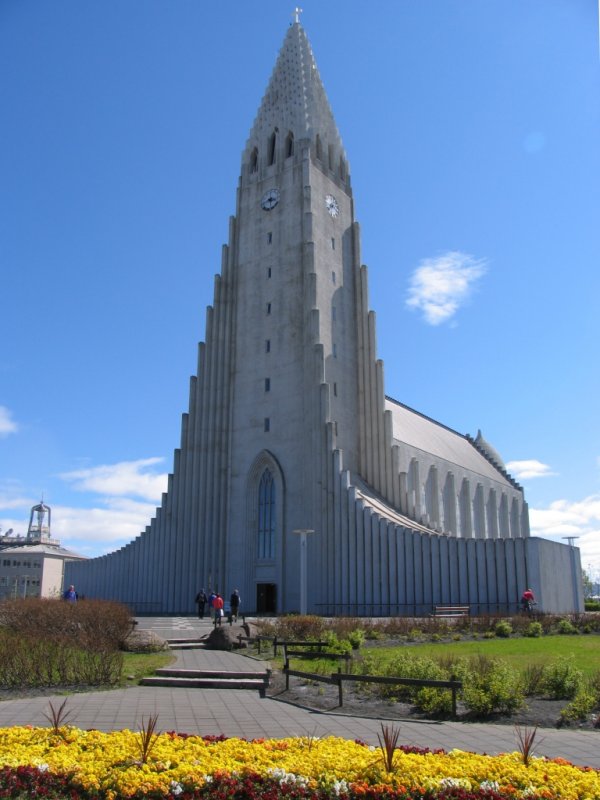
289, 426
33, 566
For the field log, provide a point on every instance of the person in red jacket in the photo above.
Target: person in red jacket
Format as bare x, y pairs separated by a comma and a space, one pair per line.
218, 607
527, 600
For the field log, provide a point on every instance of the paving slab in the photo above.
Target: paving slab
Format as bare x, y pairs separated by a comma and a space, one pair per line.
244, 713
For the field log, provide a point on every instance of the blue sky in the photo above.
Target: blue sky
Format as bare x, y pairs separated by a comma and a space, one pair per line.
472, 130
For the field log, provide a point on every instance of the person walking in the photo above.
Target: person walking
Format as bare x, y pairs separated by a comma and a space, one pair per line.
201, 600
70, 595
218, 607
234, 602
211, 604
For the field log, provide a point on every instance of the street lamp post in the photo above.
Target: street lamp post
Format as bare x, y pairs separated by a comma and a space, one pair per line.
303, 533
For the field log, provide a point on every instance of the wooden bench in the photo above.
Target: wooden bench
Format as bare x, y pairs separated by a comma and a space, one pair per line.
452, 612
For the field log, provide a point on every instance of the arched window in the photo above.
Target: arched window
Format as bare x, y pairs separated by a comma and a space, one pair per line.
289, 145
319, 148
254, 160
266, 516
272, 150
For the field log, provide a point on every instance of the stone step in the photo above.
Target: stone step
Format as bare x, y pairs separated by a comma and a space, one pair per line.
205, 683
174, 672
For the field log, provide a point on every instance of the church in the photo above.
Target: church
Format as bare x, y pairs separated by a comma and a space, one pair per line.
298, 480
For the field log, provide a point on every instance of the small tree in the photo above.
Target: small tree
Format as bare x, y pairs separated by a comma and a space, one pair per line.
588, 586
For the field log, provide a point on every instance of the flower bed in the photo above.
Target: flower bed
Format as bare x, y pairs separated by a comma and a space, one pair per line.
68, 762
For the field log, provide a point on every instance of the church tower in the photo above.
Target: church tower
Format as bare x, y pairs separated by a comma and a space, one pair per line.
294, 365
289, 428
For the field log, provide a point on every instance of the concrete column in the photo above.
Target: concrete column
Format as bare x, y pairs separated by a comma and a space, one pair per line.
466, 516
409, 560
492, 514
375, 409
353, 598
504, 525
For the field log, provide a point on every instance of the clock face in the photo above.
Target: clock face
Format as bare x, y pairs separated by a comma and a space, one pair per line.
270, 199
332, 205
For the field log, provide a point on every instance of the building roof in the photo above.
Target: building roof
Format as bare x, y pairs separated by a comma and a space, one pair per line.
295, 99
40, 549
423, 433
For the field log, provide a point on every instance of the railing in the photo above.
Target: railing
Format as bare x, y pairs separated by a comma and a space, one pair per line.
416, 610
339, 677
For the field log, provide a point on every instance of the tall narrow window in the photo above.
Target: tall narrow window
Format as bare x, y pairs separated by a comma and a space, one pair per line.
331, 154
270, 237
272, 149
289, 145
335, 389
266, 516
332, 243
267, 345
268, 308
335, 350
319, 148
333, 277
333, 313
268, 272
254, 160
267, 384
267, 427
342, 169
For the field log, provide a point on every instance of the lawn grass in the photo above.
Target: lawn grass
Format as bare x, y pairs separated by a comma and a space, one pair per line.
138, 665
519, 652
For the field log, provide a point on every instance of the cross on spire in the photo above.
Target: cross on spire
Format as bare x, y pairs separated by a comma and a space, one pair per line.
297, 12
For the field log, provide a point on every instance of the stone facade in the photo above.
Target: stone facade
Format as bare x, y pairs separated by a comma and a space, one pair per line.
289, 427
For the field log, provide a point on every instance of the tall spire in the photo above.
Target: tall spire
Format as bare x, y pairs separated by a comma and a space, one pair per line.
295, 100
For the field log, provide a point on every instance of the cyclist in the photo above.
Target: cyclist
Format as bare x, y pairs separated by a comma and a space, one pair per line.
527, 601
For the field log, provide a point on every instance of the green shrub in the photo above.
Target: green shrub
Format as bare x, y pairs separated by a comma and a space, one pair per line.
491, 686
533, 630
592, 605
566, 627
580, 707
561, 679
374, 634
532, 678
356, 638
336, 645
408, 665
434, 701
489, 635
503, 629
34, 661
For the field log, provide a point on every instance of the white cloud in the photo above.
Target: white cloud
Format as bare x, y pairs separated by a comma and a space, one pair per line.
565, 518
7, 424
87, 529
12, 500
122, 479
439, 286
529, 469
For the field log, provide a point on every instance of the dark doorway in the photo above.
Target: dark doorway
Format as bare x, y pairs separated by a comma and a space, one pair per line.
266, 598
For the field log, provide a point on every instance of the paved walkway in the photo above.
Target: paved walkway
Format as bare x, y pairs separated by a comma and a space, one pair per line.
244, 713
